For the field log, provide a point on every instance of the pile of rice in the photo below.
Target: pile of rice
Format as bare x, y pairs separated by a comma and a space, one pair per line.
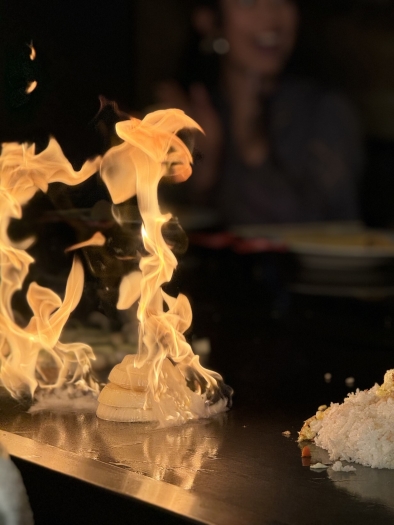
361, 429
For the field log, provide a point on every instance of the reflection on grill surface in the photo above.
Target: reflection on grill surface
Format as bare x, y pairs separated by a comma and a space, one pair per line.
232, 469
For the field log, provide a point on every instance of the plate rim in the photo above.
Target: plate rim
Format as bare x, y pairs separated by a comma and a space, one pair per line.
279, 232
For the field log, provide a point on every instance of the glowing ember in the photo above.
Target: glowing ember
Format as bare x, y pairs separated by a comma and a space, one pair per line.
165, 381
22, 174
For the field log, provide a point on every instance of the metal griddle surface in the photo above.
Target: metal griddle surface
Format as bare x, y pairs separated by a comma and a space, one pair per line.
234, 469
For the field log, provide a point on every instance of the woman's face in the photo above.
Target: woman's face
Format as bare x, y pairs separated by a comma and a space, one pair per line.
261, 34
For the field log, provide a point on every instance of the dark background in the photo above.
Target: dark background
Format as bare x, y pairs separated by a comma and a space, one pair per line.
119, 50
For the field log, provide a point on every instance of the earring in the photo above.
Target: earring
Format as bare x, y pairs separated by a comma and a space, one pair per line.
218, 45
221, 46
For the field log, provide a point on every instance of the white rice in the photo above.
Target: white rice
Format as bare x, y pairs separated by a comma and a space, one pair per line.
361, 429
338, 467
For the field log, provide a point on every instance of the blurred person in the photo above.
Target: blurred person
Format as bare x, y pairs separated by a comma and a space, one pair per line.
278, 148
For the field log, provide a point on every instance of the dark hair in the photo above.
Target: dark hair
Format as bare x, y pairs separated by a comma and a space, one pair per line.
200, 66
213, 4
197, 65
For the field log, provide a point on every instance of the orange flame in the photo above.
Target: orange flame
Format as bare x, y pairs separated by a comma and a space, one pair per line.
31, 87
33, 84
97, 239
22, 174
33, 53
165, 381
152, 150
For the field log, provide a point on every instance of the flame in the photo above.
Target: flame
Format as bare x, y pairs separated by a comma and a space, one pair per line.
150, 151
22, 174
165, 381
97, 239
31, 87
33, 53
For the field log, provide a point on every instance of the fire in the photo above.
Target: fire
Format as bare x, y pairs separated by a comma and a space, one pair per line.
176, 386
33, 84
165, 381
22, 174
31, 87
97, 239
33, 53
